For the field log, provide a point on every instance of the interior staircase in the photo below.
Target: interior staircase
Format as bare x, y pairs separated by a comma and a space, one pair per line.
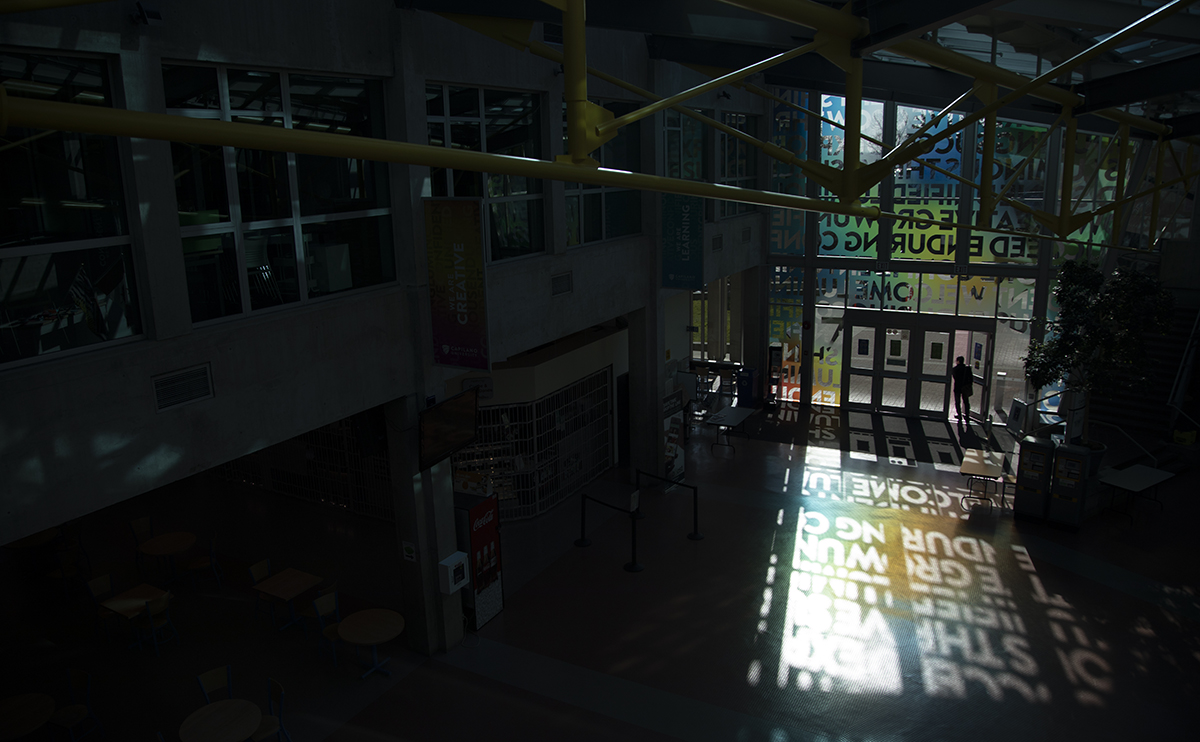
1141, 410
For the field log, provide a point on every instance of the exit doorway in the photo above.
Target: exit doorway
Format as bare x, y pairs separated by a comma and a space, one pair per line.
900, 362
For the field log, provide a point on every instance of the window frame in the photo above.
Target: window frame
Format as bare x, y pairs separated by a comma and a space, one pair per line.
125, 241
447, 120
579, 191
237, 226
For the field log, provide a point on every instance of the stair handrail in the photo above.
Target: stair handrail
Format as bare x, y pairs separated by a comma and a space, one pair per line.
1183, 372
1037, 412
1131, 439
1181, 412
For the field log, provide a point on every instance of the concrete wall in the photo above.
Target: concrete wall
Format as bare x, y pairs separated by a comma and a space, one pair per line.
79, 432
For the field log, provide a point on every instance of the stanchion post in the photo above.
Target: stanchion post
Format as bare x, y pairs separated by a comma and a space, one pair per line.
583, 539
633, 565
695, 535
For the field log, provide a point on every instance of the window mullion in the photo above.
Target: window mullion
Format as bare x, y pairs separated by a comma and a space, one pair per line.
235, 198
294, 194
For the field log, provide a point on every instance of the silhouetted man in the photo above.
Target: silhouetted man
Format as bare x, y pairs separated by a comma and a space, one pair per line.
961, 375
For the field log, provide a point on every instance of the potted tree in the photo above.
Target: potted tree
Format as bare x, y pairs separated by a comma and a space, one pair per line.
1097, 340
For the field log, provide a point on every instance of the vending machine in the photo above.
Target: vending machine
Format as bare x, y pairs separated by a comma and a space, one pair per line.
1069, 488
1034, 469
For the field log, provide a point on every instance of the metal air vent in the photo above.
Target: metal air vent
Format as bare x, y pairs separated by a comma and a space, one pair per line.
561, 284
182, 387
718, 242
746, 235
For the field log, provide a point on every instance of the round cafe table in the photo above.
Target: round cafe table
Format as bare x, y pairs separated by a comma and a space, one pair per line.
231, 720
24, 714
373, 627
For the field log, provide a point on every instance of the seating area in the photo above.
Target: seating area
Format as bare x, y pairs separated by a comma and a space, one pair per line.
106, 637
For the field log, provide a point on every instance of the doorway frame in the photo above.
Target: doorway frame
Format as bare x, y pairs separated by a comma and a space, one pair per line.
917, 324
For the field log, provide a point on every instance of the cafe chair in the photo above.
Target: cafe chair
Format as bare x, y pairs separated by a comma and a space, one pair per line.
216, 679
72, 565
328, 614
98, 589
258, 573
143, 531
77, 717
207, 561
155, 623
272, 723
311, 612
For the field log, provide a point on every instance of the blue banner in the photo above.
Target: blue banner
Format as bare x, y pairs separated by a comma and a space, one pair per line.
682, 242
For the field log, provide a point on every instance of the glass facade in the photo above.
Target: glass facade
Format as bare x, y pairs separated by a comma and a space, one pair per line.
263, 229
500, 122
596, 213
66, 268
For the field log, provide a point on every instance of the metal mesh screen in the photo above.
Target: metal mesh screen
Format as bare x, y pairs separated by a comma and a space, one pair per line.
537, 454
343, 465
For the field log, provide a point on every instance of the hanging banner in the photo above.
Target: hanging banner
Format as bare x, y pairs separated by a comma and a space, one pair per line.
457, 298
682, 242
673, 423
485, 560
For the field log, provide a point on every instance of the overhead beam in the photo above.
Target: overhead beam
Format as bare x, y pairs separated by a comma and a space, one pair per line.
1099, 15
713, 84
39, 114
894, 20
813, 15
1143, 83
1185, 126
24, 6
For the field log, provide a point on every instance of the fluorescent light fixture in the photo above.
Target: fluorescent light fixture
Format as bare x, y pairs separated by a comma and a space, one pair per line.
83, 205
28, 86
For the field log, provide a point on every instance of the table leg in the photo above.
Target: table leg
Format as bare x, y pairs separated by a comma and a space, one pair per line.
376, 665
294, 619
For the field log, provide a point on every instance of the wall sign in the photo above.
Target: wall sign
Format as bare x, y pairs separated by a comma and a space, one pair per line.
457, 289
682, 242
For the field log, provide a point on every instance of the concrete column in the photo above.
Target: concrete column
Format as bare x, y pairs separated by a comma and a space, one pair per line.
646, 381
424, 507
737, 316
154, 218
753, 326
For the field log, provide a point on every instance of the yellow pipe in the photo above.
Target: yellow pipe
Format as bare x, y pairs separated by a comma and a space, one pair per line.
1068, 172
852, 141
37, 114
820, 17
806, 13
1037, 146
1122, 162
575, 78
703, 88
771, 150
924, 163
1095, 174
1156, 199
987, 201
22, 6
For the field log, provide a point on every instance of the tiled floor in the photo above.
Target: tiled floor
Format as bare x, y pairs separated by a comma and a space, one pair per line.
840, 592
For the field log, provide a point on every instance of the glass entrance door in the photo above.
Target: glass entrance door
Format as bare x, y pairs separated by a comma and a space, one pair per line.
901, 363
937, 358
980, 361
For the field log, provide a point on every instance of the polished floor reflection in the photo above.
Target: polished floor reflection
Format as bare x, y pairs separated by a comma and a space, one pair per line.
840, 592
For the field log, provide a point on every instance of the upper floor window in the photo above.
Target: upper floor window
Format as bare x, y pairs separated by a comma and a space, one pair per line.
684, 146
737, 161
499, 122
260, 228
66, 267
597, 213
